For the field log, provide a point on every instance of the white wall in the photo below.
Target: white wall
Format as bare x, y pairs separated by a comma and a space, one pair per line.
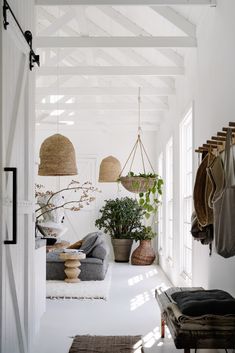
210, 84
94, 145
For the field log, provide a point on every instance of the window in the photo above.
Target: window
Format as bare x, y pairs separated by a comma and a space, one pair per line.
160, 213
186, 158
169, 199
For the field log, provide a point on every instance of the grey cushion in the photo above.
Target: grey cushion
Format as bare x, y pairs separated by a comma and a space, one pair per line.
90, 241
100, 251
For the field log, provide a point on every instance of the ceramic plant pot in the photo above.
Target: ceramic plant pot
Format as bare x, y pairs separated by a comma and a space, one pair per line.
122, 249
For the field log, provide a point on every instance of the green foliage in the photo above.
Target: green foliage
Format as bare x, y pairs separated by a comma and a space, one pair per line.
120, 218
145, 233
149, 200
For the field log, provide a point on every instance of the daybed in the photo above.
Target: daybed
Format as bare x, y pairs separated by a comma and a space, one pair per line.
93, 267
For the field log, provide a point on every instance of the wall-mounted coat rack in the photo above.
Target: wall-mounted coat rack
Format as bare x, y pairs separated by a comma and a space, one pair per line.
33, 58
217, 142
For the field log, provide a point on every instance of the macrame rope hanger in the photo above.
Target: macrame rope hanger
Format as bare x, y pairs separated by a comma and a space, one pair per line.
139, 143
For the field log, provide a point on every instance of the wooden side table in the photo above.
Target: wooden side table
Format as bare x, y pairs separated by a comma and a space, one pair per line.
72, 264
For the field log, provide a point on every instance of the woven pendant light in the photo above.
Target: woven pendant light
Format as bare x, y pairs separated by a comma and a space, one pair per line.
110, 169
57, 157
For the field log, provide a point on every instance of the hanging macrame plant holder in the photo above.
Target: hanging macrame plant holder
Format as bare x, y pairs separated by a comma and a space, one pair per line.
143, 182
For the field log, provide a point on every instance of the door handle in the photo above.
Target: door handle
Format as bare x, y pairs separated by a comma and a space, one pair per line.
14, 205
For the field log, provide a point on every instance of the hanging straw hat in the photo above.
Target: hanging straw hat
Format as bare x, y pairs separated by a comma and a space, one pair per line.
202, 191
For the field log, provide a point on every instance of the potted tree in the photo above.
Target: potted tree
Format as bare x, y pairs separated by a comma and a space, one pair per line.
121, 219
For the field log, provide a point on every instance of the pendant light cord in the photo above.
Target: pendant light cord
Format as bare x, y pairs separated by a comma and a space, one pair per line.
138, 142
139, 102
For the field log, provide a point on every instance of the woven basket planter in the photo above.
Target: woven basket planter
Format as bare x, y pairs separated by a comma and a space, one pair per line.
144, 254
137, 184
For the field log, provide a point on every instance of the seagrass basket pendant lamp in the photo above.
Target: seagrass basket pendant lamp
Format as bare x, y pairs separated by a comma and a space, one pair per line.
137, 184
57, 157
57, 153
110, 169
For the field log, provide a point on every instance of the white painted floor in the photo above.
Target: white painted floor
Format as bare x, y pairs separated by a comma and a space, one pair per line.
131, 309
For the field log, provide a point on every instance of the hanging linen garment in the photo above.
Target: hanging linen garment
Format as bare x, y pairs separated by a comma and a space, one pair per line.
224, 207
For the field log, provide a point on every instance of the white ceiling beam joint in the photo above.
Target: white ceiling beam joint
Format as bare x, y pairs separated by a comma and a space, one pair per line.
111, 71
115, 42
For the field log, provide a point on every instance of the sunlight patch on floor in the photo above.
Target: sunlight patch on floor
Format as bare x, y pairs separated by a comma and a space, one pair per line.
134, 280
139, 300
138, 347
151, 337
151, 273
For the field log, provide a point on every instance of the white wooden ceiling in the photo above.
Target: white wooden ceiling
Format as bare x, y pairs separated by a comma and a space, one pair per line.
95, 54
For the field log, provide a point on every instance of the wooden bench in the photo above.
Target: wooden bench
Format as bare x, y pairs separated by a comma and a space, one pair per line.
192, 339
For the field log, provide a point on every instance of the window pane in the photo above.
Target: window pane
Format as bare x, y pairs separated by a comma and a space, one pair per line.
186, 193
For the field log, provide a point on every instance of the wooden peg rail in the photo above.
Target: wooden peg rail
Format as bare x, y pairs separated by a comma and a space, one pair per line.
217, 142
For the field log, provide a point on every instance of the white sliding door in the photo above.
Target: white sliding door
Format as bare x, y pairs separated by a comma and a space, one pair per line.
16, 184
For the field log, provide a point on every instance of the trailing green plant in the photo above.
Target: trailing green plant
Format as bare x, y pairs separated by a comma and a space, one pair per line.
145, 233
149, 200
121, 218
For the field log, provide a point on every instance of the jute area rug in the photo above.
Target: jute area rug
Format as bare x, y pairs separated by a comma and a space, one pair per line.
106, 344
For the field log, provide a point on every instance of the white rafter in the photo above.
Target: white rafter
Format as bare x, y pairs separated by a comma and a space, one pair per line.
101, 106
105, 91
58, 23
115, 42
126, 2
176, 19
111, 70
134, 28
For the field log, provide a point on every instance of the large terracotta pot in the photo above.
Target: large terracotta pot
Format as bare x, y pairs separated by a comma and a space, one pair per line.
144, 254
122, 249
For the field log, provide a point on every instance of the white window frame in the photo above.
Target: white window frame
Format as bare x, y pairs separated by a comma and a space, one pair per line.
186, 194
160, 208
169, 200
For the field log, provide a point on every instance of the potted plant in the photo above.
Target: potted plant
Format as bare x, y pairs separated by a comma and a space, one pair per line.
144, 253
149, 201
121, 219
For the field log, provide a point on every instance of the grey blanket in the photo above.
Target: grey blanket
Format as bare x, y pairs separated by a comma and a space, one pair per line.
204, 302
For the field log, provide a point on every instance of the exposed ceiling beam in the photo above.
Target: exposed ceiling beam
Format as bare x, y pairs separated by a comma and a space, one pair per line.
137, 30
58, 23
115, 42
106, 114
176, 19
111, 70
125, 2
100, 91
100, 106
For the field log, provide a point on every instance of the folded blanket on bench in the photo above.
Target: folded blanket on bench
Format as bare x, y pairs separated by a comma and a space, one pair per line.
204, 302
203, 322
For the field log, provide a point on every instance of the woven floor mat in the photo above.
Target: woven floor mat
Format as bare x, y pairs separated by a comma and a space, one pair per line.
106, 344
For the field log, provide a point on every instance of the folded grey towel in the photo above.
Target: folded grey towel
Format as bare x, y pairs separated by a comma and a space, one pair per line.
202, 302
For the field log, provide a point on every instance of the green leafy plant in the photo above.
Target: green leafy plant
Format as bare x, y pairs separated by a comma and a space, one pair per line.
121, 218
149, 200
145, 233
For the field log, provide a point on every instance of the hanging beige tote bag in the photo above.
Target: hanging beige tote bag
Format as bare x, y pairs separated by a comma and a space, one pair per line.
224, 207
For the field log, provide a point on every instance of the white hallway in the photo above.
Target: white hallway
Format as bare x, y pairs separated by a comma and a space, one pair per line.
130, 310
